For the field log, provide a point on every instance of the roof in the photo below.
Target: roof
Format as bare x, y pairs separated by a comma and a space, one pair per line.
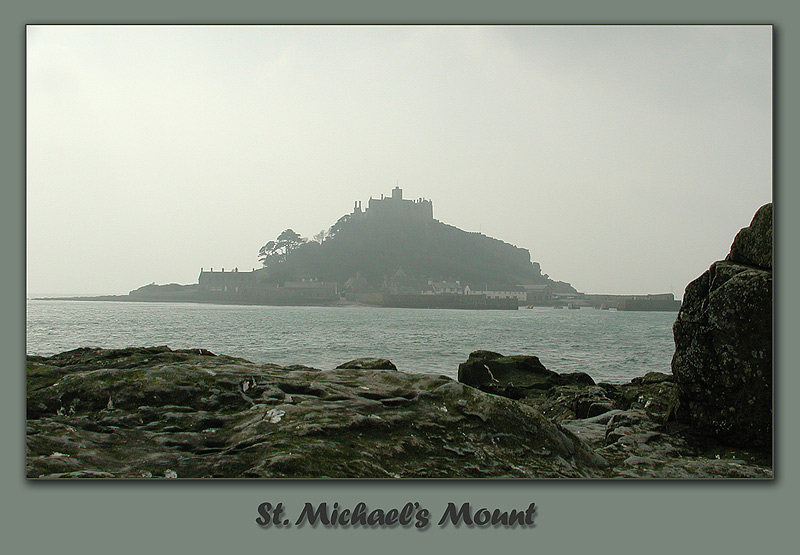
493, 287
538, 287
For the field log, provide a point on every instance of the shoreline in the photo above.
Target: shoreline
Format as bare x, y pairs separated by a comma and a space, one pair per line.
417, 302
432, 303
129, 299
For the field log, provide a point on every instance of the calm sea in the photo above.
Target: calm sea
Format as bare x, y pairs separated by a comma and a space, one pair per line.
608, 345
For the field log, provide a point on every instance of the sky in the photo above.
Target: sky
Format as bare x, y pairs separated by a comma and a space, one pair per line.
624, 158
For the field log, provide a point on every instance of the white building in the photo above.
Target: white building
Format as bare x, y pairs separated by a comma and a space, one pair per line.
500, 292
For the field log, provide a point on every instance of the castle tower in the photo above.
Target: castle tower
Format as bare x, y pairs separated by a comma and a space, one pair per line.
397, 193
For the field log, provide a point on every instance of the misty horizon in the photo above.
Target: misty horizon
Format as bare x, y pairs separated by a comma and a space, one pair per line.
258, 265
623, 158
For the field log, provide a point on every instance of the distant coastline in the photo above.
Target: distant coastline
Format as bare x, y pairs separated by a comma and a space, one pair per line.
391, 254
662, 302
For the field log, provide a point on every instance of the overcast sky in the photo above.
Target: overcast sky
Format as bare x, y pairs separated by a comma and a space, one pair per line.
624, 158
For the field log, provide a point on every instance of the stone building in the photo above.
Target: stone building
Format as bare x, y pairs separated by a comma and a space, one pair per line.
255, 287
395, 207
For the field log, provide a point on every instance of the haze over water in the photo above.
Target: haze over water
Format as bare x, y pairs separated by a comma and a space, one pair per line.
625, 158
610, 346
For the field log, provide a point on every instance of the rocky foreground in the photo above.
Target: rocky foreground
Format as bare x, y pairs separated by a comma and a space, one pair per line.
158, 413
154, 412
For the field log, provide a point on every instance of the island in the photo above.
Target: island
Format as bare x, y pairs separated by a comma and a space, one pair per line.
393, 253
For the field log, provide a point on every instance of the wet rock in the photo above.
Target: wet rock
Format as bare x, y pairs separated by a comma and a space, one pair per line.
723, 343
636, 446
596, 409
560, 396
753, 244
157, 413
514, 376
633, 429
368, 364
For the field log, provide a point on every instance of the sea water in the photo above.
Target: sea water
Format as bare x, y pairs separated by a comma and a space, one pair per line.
608, 345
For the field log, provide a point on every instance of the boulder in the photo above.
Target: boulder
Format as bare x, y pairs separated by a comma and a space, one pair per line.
515, 376
753, 244
565, 396
368, 363
723, 343
631, 426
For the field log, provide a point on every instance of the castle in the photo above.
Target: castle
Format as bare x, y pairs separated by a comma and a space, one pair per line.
395, 207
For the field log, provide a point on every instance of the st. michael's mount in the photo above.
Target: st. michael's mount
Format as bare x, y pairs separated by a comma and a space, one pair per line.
392, 253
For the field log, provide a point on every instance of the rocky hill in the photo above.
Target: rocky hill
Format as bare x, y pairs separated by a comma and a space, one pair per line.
398, 244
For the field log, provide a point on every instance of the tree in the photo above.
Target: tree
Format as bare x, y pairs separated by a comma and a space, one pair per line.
278, 250
340, 223
266, 252
320, 237
289, 240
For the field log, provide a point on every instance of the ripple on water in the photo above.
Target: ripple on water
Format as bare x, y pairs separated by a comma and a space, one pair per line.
608, 345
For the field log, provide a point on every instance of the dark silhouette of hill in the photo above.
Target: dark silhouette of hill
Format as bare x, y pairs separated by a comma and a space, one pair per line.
397, 241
